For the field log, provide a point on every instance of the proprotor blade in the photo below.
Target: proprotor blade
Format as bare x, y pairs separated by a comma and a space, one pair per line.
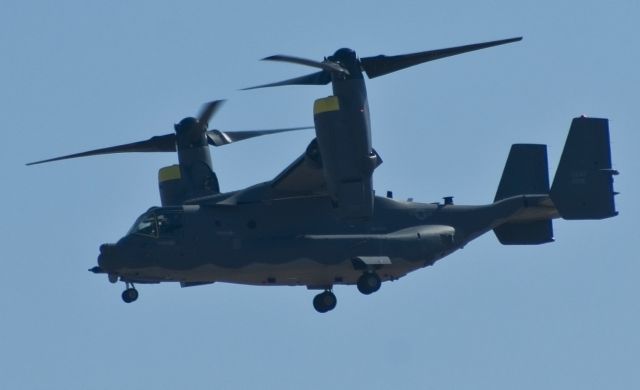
219, 138
325, 65
318, 78
208, 110
381, 65
161, 143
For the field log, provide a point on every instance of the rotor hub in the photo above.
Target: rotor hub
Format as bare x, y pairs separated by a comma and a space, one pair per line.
347, 59
343, 54
190, 130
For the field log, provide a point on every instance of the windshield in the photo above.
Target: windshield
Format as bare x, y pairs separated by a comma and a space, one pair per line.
157, 223
146, 225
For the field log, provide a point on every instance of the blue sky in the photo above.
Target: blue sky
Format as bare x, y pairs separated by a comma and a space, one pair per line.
77, 75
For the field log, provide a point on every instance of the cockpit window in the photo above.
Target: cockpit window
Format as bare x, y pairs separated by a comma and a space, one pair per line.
146, 225
154, 225
168, 223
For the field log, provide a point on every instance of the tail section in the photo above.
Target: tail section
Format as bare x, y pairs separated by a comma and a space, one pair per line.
583, 185
526, 172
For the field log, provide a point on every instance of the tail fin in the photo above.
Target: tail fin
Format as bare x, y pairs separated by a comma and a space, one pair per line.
583, 184
582, 187
526, 172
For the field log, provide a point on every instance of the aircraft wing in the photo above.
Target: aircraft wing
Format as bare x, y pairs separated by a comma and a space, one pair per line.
308, 176
338, 163
302, 177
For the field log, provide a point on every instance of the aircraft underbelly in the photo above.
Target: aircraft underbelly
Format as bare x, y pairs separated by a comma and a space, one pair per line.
300, 272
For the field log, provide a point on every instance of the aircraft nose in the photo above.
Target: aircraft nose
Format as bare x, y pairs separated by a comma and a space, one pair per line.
107, 256
104, 248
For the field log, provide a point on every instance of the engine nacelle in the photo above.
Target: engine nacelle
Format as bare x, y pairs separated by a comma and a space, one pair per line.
172, 189
347, 158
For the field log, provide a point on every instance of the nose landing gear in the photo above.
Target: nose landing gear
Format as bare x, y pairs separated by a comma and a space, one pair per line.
130, 294
325, 301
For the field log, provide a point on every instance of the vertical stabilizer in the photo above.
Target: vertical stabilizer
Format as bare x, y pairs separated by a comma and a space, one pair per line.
526, 172
583, 184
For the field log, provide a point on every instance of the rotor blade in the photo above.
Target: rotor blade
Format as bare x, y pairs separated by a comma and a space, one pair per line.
208, 110
381, 65
161, 143
318, 78
325, 65
219, 138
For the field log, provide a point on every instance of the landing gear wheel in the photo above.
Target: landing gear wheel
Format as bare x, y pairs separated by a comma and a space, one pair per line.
129, 295
325, 302
369, 283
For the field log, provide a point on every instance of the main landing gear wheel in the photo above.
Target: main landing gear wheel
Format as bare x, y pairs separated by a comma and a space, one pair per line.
369, 283
130, 295
324, 302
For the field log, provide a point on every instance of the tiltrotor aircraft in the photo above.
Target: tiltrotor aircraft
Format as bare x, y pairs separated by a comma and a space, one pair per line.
318, 223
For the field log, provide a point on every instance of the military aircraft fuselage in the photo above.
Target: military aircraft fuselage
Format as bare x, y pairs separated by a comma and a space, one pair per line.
298, 241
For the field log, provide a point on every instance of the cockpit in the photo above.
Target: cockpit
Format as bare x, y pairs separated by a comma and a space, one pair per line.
158, 222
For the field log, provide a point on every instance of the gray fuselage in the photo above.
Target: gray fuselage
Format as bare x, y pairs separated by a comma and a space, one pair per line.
299, 241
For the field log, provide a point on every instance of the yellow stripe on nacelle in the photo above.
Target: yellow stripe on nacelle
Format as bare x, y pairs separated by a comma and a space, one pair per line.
171, 172
330, 103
